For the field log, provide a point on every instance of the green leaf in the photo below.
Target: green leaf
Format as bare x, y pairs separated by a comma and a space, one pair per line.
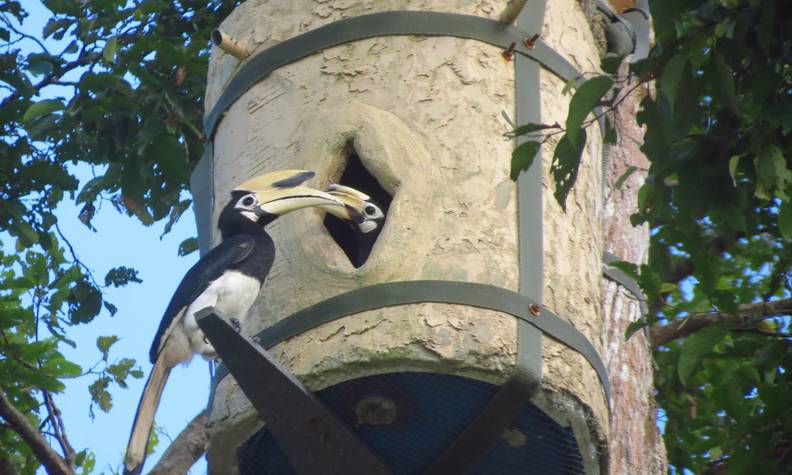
120, 370
110, 308
667, 287
620, 182
772, 173
99, 394
611, 135
85, 302
104, 343
765, 28
176, 212
587, 96
39, 67
696, 347
136, 373
109, 51
671, 76
523, 157
26, 233
54, 24
733, 163
72, 48
529, 128
64, 368
610, 64
121, 276
785, 219
38, 109
725, 81
188, 246
634, 327
630, 269
566, 161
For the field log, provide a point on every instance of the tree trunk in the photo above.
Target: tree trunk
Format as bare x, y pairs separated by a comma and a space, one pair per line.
636, 446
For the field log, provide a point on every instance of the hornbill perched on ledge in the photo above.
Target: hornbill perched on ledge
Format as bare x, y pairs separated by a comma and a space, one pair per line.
229, 277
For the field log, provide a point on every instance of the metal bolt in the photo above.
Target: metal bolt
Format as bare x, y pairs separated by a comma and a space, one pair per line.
376, 411
514, 438
535, 309
508, 54
530, 43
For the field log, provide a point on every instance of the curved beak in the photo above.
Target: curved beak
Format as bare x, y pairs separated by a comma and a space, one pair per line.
353, 211
282, 192
280, 202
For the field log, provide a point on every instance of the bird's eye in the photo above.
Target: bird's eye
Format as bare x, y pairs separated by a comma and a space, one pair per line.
370, 210
248, 201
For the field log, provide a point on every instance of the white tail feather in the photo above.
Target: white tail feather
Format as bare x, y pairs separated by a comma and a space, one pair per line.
144, 418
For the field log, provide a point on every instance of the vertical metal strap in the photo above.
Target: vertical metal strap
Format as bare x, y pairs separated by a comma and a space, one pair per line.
485, 430
529, 200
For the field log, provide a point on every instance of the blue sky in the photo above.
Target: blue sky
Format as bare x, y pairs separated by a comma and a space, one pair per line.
121, 240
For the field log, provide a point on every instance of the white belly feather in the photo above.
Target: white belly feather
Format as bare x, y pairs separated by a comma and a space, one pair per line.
232, 294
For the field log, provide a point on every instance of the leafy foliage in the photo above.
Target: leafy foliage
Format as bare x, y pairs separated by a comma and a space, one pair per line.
115, 87
718, 200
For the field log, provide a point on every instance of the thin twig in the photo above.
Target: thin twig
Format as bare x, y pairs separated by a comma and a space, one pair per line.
74, 255
24, 35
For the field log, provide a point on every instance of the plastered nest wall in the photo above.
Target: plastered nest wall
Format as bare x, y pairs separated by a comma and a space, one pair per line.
426, 117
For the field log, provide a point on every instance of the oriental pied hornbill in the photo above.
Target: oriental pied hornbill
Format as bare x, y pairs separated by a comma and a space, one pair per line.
229, 278
361, 238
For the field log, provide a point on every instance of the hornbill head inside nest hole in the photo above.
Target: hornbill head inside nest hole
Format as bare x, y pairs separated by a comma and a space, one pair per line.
360, 190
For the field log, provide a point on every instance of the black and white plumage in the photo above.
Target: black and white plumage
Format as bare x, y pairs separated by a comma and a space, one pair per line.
229, 277
365, 217
359, 210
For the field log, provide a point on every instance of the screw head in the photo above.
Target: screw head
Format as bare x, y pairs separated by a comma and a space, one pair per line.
535, 309
376, 411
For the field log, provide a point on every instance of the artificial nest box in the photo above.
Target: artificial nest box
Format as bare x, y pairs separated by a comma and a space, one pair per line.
423, 121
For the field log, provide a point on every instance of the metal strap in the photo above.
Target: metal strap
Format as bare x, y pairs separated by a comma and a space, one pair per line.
528, 371
510, 400
313, 438
440, 291
392, 23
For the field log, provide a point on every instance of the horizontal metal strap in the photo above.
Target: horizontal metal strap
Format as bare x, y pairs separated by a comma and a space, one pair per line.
439, 291
394, 23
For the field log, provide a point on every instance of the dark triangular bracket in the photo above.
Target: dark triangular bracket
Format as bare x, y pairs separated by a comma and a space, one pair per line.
313, 439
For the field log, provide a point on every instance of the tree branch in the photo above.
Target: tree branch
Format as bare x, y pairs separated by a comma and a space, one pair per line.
69, 454
7, 468
749, 312
51, 461
185, 450
50, 78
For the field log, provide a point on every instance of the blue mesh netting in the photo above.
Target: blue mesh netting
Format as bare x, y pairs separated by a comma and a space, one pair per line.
433, 409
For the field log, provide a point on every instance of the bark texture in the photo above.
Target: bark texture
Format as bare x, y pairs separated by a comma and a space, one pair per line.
636, 446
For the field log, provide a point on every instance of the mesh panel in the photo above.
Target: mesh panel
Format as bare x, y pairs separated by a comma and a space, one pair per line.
432, 410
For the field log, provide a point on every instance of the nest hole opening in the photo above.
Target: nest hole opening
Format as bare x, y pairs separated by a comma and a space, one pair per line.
358, 245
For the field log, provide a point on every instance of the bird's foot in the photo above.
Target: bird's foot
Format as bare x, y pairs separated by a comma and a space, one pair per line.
236, 324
